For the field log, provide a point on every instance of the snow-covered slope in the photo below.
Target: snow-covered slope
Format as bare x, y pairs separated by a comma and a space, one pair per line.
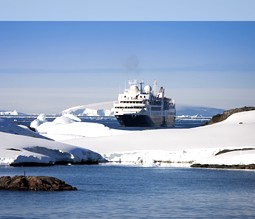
69, 126
16, 149
147, 147
6, 126
178, 145
19, 145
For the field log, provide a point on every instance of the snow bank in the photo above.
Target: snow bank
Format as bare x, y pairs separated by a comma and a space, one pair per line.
188, 146
17, 149
6, 126
69, 126
242, 157
19, 146
38, 121
72, 117
62, 120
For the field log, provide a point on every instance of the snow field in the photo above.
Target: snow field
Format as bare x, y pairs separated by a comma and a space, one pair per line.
160, 147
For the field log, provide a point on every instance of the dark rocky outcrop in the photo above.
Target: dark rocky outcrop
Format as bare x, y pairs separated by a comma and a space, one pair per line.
230, 150
227, 113
34, 183
223, 166
31, 164
63, 162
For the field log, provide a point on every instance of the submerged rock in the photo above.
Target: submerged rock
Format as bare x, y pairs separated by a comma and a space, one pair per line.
34, 183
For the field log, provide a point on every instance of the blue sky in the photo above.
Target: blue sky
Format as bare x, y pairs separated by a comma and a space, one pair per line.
50, 66
127, 10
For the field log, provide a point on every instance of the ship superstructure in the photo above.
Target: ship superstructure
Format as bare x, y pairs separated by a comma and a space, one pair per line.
140, 106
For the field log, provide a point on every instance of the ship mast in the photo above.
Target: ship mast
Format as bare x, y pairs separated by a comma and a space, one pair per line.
141, 86
154, 87
163, 106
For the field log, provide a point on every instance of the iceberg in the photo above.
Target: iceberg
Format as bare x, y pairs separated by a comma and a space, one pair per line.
87, 110
10, 113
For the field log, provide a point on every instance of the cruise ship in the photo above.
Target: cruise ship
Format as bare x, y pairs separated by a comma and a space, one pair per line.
142, 106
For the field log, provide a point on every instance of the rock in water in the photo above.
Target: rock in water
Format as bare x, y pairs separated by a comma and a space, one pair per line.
34, 183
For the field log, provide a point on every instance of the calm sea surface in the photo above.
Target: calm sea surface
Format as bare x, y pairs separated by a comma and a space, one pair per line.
107, 121
134, 192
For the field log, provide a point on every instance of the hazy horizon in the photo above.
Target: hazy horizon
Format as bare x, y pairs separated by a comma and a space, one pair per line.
46, 67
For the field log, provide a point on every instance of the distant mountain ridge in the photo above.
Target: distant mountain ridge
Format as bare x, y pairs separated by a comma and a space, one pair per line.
105, 109
181, 110
199, 111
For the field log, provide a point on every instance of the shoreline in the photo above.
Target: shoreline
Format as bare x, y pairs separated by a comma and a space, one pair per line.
160, 164
224, 166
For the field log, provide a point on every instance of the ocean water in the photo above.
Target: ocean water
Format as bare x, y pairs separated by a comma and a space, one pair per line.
110, 122
106, 191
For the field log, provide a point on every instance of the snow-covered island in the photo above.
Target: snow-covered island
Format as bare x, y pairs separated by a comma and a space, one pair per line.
21, 146
180, 146
230, 142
